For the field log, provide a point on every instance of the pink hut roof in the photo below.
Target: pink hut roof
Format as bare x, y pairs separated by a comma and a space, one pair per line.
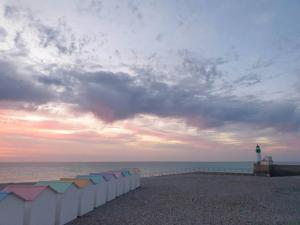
26, 192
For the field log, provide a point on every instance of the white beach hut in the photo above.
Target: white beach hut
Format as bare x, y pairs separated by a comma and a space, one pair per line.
100, 188
86, 194
127, 176
133, 178
111, 184
67, 200
137, 174
120, 182
40, 203
11, 209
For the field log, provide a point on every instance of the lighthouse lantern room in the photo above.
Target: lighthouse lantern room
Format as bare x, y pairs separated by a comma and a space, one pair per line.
258, 154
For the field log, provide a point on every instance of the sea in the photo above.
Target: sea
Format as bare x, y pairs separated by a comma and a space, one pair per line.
38, 171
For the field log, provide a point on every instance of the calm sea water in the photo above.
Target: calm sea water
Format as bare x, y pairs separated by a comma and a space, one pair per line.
23, 172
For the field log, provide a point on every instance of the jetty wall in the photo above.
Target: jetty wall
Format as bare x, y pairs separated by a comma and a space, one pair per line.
276, 170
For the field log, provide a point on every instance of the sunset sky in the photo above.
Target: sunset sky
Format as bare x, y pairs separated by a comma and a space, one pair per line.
148, 80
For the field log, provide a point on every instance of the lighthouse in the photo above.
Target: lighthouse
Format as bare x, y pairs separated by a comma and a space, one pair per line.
258, 154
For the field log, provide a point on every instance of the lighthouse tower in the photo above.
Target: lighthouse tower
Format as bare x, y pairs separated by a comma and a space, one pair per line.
258, 154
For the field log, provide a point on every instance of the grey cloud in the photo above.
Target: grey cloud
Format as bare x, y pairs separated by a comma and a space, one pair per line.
134, 7
11, 11
261, 63
15, 88
200, 75
3, 34
59, 36
117, 96
20, 44
248, 80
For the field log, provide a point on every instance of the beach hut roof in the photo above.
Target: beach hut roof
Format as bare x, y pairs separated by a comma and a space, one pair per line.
136, 170
96, 179
117, 174
81, 183
57, 185
107, 176
126, 172
26, 192
3, 195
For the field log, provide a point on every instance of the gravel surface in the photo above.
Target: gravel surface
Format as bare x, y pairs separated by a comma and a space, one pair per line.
198, 199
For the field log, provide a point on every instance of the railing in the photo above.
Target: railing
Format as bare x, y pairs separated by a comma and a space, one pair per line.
225, 170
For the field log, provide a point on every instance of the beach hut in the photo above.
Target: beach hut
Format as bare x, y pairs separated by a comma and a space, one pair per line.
86, 194
133, 178
67, 200
111, 184
11, 209
137, 174
126, 173
120, 182
100, 188
39, 203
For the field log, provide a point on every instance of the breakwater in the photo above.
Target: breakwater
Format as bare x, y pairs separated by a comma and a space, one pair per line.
276, 170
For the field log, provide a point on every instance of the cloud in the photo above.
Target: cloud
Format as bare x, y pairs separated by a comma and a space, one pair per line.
15, 87
89, 6
59, 36
3, 34
117, 96
12, 12
262, 63
248, 80
134, 7
191, 91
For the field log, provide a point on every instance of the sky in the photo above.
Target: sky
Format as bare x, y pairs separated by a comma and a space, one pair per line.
149, 80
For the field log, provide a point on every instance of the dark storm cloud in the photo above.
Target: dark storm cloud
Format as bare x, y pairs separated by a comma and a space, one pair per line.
15, 88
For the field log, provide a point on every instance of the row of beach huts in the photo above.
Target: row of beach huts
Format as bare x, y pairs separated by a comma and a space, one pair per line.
61, 201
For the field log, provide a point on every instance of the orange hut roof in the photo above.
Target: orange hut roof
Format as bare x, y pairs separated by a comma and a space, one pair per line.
81, 183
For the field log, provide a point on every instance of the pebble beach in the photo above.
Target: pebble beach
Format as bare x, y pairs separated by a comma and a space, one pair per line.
203, 199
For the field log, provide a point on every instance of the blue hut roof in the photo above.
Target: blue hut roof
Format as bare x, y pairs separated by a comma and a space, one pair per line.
58, 186
107, 176
3, 195
126, 172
